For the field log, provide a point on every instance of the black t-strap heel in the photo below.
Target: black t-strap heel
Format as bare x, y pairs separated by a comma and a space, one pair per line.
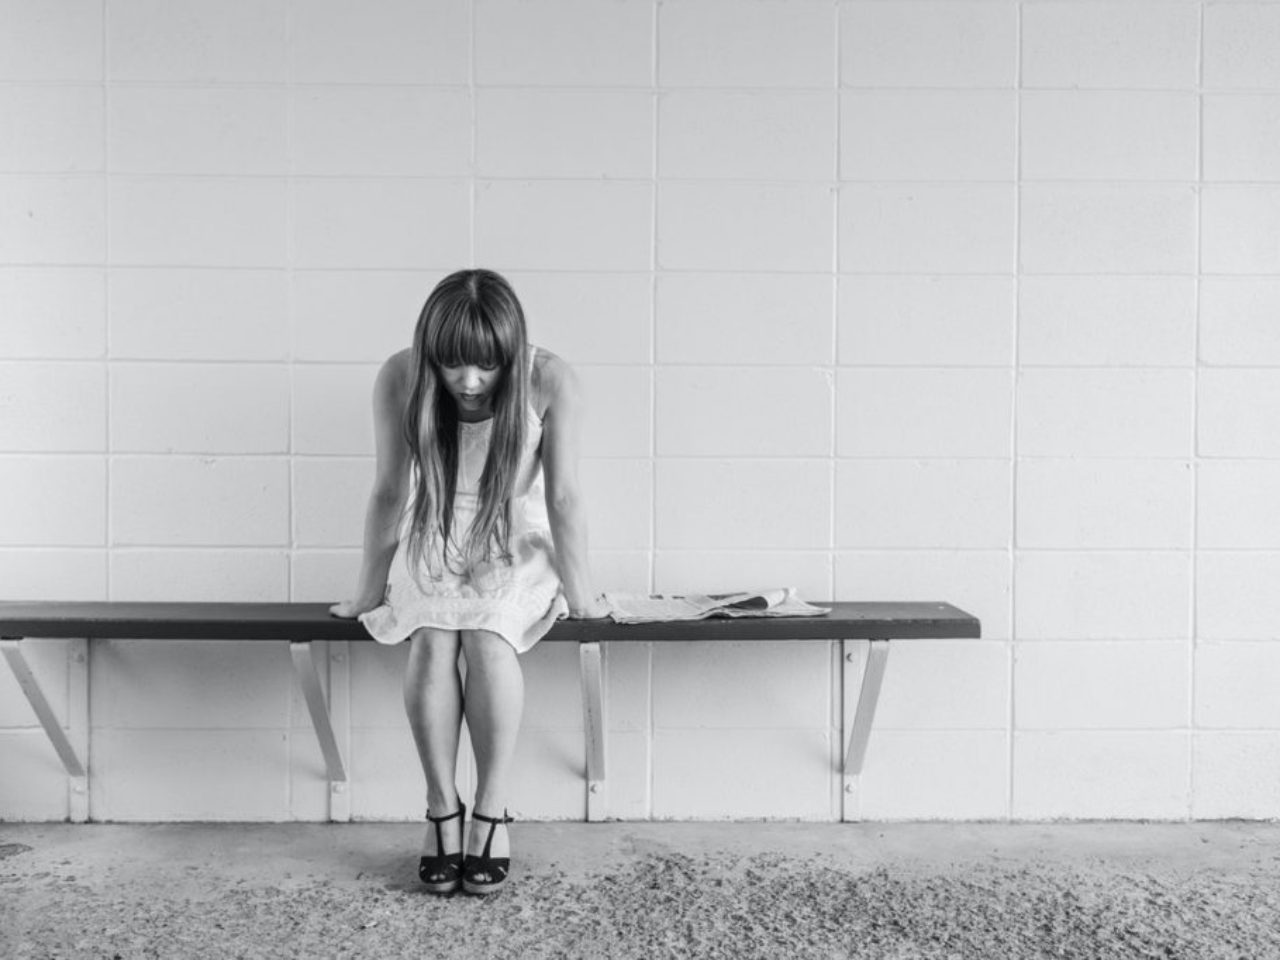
442, 873
493, 869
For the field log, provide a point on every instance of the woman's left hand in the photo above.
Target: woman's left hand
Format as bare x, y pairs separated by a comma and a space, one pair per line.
596, 609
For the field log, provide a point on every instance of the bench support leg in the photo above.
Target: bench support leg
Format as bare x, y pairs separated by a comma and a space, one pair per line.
590, 662
864, 711
44, 712
309, 679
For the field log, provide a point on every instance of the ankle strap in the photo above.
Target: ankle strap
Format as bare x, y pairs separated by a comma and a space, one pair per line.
496, 820
462, 808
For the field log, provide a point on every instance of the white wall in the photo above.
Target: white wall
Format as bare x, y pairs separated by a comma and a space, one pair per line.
975, 301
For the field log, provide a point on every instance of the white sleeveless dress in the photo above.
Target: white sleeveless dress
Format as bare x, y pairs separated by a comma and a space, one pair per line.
518, 600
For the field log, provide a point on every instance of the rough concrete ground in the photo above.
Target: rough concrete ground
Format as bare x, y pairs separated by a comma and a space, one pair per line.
1085, 890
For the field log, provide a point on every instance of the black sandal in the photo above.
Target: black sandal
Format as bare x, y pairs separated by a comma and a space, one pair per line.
495, 869
442, 873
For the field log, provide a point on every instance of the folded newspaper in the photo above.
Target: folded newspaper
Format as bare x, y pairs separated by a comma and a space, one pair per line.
636, 608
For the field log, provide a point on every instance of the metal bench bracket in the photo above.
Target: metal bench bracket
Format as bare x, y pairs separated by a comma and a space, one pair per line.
590, 662
863, 709
304, 666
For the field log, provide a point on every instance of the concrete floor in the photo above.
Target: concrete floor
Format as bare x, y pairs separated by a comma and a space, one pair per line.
53, 877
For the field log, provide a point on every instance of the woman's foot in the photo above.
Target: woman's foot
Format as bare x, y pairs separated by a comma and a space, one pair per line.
440, 867
488, 859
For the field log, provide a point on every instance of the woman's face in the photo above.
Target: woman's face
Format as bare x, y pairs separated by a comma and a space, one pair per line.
471, 386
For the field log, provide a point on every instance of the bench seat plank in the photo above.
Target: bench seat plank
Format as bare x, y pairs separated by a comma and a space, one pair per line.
311, 621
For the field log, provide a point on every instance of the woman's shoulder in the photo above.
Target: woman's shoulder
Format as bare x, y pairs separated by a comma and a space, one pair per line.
395, 378
552, 377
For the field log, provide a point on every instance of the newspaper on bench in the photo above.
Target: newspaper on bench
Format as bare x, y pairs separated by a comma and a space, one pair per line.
637, 608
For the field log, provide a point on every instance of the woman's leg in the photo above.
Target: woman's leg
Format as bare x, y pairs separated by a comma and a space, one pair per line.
433, 701
494, 703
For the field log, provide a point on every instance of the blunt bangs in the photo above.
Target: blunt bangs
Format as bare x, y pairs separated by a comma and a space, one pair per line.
465, 337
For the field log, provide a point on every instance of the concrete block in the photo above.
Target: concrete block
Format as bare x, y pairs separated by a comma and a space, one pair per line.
725, 571
192, 775
1096, 504
208, 131
927, 228
43, 42
769, 44
625, 570
1106, 321
54, 313
48, 661
905, 768
924, 503
553, 690
188, 685
187, 41
1101, 685
366, 131
199, 408
745, 226
564, 43
323, 576
1108, 228
54, 406
1240, 228
1103, 596
744, 412
51, 129
1235, 686
35, 785
181, 314
732, 504
1236, 775
928, 44
52, 220
53, 501
585, 134
1118, 46
363, 223
760, 685
329, 500
386, 775
240, 576
616, 421
1241, 46
547, 776
1236, 507
928, 135
978, 581
619, 497
30, 574
589, 317
333, 409
377, 684
563, 225
945, 685
1234, 595
1242, 137
629, 753
1101, 775
1105, 413
199, 501
628, 692
1237, 321
935, 413
756, 135
356, 315
1106, 135
736, 774
1237, 412
772, 319
222, 222
927, 321
384, 41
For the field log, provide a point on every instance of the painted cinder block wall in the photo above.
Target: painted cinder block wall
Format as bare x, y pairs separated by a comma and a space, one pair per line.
976, 301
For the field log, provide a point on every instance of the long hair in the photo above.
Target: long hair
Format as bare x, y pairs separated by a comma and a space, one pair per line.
472, 317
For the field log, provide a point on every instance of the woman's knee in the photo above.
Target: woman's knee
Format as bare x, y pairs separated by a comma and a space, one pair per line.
432, 652
485, 651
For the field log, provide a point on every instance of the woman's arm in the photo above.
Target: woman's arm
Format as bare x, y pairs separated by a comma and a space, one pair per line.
390, 489
561, 436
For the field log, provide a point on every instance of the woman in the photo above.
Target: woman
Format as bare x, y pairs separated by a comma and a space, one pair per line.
477, 433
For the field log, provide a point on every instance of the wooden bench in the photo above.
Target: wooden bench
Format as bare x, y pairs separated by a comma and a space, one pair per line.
864, 630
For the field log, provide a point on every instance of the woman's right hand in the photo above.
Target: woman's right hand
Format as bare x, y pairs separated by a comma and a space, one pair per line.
350, 609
